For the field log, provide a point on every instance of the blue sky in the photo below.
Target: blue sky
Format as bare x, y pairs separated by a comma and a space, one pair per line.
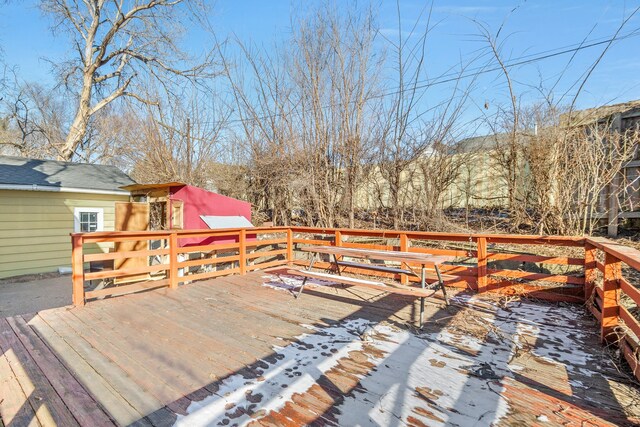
531, 26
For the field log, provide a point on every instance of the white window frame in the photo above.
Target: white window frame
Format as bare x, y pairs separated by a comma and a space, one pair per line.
76, 218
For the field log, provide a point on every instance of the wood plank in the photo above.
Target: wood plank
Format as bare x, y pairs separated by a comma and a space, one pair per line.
109, 274
631, 291
77, 268
630, 321
118, 379
517, 274
626, 254
263, 265
15, 408
266, 253
536, 259
266, 242
219, 353
103, 256
631, 358
113, 402
610, 296
47, 405
314, 242
186, 325
82, 405
150, 373
209, 248
425, 235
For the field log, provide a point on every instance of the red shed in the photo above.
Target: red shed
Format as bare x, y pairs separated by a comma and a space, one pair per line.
175, 205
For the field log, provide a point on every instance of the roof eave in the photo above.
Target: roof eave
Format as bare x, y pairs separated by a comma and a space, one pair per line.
54, 189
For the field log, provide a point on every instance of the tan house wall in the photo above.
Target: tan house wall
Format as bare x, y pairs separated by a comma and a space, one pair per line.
35, 227
479, 184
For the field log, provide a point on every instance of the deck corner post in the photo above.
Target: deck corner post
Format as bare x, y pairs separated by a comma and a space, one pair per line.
610, 297
242, 242
481, 244
77, 270
590, 268
289, 245
173, 260
404, 247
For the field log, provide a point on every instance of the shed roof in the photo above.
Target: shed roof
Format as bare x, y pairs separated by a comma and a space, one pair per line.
219, 221
20, 173
152, 187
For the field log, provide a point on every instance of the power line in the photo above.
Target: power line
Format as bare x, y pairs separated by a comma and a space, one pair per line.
452, 77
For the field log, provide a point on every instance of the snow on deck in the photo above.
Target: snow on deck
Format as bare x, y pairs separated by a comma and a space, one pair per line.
485, 365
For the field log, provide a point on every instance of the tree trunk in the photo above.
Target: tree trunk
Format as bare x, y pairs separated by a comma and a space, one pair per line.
80, 122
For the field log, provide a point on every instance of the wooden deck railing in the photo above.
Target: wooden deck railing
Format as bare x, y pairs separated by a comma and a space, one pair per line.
598, 272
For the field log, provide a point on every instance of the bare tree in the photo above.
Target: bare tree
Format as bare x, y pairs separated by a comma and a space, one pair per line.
307, 116
33, 124
401, 144
177, 140
117, 45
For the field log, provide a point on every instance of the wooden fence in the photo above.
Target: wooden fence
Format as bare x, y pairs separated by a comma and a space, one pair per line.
599, 274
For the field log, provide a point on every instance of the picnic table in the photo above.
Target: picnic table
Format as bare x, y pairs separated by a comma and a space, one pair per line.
337, 253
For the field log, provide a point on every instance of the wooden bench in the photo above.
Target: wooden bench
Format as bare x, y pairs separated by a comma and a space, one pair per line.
364, 283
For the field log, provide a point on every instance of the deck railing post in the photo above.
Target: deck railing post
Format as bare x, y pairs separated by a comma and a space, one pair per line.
404, 247
590, 269
482, 264
610, 296
173, 260
77, 270
338, 238
289, 245
242, 241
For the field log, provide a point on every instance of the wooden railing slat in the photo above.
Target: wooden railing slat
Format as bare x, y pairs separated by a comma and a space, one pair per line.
517, 274
255, 255
106, 256
109, 274
630, 321
631, 291
208, 261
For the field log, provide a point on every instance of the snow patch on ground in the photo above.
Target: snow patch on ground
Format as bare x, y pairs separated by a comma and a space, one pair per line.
443, 377
291, 283
297, 367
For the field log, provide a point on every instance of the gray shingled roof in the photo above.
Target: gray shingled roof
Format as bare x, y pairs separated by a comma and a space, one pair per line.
51, 173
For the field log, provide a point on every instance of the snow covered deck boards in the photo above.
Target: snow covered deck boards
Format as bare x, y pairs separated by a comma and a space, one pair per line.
241, 350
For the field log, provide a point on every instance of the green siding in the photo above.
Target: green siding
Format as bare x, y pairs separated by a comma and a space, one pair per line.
35, 228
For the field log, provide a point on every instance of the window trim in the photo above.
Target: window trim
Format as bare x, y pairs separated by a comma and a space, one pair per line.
76, 218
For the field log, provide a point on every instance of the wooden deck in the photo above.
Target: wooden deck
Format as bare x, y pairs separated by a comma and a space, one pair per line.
232, 351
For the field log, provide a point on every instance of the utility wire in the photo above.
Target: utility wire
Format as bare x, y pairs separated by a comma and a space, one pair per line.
445, 78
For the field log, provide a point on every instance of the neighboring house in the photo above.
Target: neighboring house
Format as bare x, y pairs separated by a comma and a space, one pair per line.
42, 201
478, 182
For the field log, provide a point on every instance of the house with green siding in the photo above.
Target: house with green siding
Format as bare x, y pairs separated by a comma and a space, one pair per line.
43, 201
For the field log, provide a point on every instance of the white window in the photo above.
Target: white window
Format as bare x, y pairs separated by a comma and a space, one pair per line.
88, 220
